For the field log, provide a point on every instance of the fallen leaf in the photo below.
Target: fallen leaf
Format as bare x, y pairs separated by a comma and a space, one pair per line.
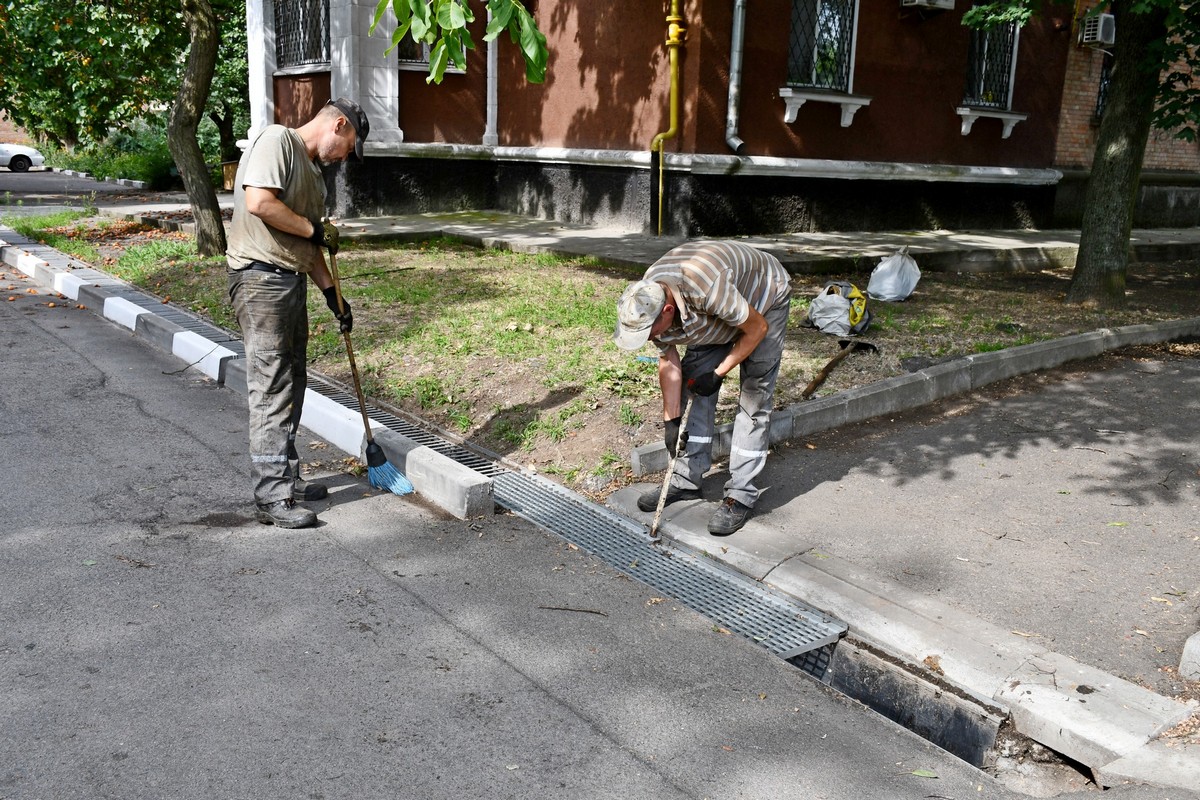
89, 563
1140, 631
762, 695
727, 748
1162, 600
1117, 524
924, 773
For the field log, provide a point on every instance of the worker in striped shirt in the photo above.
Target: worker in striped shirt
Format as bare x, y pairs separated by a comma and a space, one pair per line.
728, 303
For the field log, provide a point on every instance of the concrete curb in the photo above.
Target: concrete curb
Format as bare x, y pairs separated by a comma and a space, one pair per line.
905, 392
952, 677
439, 479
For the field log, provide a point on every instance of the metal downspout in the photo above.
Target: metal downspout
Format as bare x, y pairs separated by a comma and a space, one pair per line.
490, 137
735, 78
675, 36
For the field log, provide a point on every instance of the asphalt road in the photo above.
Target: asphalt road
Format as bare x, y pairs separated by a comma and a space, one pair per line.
41, 189
157, 642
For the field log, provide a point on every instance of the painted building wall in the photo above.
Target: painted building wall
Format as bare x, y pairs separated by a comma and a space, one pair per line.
607, 87
913, 66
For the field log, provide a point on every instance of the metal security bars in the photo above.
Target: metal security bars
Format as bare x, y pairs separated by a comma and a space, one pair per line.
821, 45
991, 62
301, 32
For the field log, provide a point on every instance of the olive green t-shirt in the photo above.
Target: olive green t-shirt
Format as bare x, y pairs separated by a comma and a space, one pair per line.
275, 160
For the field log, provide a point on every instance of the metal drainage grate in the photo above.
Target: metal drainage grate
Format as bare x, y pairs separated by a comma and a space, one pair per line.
788, 629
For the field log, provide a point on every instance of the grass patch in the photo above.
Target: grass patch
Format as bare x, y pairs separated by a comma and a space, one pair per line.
514, 351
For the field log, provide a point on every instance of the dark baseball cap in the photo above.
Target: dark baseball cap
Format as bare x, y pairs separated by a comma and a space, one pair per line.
362, 126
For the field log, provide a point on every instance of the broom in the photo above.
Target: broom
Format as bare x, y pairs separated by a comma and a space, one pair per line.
380, 473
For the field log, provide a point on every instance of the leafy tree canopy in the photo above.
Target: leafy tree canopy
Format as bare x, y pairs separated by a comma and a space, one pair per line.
73, 70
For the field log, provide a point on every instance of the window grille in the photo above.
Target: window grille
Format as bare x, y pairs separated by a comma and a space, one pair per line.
301, 32
409, 52
1102, 92
821, 44
991, 61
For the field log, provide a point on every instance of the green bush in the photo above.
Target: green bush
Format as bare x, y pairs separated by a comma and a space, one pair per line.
138, 153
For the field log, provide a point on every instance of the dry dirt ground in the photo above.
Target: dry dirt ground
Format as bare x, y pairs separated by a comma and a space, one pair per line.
948, 316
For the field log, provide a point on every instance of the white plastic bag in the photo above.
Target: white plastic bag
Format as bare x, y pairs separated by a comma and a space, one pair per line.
830, 313
894, 278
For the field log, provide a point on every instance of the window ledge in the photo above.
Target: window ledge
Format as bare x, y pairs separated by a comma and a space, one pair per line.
1009, 118
794, 98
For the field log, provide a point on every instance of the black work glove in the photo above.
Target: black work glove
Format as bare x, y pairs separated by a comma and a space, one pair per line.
343, 314
704, 384
671, 436
325, 234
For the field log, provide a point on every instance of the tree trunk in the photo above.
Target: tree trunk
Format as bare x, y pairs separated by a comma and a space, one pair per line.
185, 117
1099, 276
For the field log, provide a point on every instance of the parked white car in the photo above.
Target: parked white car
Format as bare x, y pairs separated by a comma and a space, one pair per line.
19, 158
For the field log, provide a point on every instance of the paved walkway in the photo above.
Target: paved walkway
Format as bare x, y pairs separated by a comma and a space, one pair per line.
1107, 723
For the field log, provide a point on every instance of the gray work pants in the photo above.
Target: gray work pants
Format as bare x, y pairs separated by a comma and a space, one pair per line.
751, 426
272, 312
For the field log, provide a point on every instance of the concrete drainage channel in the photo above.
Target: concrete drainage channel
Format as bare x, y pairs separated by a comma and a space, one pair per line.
810, 640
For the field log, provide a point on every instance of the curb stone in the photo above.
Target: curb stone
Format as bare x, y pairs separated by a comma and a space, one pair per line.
456, 489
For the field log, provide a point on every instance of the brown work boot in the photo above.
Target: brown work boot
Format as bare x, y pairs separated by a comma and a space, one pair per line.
286, 514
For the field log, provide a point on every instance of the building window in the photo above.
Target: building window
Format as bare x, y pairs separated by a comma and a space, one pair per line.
821, 47
301, 32
991, 63
412, 55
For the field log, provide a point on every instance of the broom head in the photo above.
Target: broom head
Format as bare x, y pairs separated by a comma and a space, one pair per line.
382, 474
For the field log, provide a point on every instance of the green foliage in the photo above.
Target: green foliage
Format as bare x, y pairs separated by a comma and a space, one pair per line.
442, 24
138, 152
74, 71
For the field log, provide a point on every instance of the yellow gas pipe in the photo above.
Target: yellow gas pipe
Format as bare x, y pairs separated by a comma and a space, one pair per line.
675, 36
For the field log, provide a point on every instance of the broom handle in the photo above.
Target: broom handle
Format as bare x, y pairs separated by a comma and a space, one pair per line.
337, 290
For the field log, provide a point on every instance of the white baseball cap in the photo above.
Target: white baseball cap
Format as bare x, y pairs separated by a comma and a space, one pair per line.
637, 311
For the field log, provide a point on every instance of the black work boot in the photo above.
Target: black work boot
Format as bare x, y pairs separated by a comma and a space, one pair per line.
286, 514
303, 490
729, 517
649, 500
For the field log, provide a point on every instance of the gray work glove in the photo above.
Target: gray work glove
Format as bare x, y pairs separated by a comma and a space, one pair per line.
325, 234
343, 314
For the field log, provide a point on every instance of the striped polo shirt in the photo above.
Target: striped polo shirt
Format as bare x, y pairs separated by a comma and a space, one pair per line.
718, 282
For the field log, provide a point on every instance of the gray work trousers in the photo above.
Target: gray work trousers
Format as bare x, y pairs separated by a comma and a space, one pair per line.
751, 425
272, 312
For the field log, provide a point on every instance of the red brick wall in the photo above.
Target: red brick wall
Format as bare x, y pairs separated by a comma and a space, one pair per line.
1077, 124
